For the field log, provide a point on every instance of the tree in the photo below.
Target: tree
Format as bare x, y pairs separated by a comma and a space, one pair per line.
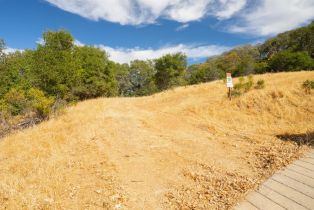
229, 62
274, 45
15, 72
204, 72
2, 47
123, 79
301, 39
59, 40
239, 61
142, 77
291, 61
248, 56
261, 67
170, 71
97, 76
2, 44
55, 68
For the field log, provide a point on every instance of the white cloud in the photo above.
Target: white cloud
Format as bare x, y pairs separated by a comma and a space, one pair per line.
125, 55
78, 43
182, 27
227, 8
9, 50
271, 17
186, 10
136, 12
40, 41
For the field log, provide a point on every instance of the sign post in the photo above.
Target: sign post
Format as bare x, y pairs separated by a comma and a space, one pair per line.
229, 84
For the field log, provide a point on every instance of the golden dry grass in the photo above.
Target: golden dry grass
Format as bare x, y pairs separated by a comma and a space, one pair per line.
187, 148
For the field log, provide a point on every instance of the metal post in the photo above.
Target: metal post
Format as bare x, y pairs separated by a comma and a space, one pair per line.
229, 93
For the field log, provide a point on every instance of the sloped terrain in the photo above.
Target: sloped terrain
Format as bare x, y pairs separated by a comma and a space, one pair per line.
187, 148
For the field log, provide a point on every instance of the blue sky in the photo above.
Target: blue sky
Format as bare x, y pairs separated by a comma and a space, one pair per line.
146, 29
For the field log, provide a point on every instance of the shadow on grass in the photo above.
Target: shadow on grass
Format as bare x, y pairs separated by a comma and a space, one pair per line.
300, 139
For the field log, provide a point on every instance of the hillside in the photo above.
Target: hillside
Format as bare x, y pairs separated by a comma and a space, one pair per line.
186, 148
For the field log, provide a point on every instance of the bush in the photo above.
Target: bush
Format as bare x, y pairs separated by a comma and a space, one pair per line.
260, 84
14, 102
243, 86
39, 103
308, 85
235, 92
20, 102
249, 84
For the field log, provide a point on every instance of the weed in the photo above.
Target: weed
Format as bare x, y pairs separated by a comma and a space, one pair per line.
243, 86
308, 85
260, 84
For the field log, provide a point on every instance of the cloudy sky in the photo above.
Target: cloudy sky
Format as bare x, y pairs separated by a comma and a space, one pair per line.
146, 29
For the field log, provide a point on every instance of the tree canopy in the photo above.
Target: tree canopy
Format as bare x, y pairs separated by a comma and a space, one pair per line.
170, 70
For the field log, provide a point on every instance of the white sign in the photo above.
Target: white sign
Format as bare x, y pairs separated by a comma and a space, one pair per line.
229, 81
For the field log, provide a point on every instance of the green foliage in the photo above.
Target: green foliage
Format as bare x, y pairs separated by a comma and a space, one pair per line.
97, 75
2, 44
298, 40
171, 71
205, 72
308, 85
260, 84
291, 61
69, 72
60, 40
2, 47
302, 39
229, 62
261, 67
243, 86
239, 61
18, 102
141, 76
14, 102
249, 84
123, 79
15, 72
274, 45
39, 103
55, 68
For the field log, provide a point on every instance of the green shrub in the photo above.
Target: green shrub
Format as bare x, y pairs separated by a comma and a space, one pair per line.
260, 84
249, 84
235, 92
14, 102
243, 86
308, 85
39, 103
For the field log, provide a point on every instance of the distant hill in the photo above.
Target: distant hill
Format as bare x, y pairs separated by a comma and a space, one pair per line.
289, 51
298, 40
185, 148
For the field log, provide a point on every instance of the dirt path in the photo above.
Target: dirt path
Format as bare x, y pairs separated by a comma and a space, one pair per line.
145, 165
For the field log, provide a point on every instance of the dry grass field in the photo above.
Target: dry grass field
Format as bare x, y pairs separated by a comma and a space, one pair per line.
186, 148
